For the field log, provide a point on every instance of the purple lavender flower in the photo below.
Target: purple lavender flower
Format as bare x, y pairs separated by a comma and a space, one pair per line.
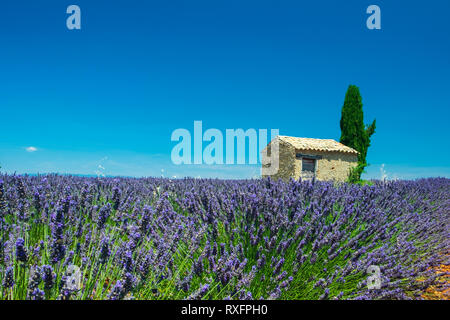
129, 282
8, 280
48, 277
21, 252
116, 197
118, 292
104, 250
103, 215
37, 294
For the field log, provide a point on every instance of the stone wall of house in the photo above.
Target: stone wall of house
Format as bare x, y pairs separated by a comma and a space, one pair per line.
333, 165
287, 162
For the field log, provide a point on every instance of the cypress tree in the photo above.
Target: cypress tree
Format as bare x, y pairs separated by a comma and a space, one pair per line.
354, 133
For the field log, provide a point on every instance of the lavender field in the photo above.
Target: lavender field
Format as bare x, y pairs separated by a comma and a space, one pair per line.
65, 237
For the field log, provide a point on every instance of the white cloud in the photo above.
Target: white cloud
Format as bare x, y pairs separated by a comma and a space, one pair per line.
31, 149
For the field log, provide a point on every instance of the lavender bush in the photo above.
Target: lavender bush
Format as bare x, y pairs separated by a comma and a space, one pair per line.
65, 237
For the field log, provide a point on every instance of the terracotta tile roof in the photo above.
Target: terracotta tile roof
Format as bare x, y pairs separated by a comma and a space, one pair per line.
317, 144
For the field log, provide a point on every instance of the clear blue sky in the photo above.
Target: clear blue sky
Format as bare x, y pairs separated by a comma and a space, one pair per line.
110, 95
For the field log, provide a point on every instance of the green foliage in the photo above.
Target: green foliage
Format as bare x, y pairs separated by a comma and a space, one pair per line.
354, 133
356, 172
365, 183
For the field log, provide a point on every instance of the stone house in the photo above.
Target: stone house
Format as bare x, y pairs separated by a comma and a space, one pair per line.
324, 159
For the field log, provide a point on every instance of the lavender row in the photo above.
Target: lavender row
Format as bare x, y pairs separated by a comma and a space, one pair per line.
66, 237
